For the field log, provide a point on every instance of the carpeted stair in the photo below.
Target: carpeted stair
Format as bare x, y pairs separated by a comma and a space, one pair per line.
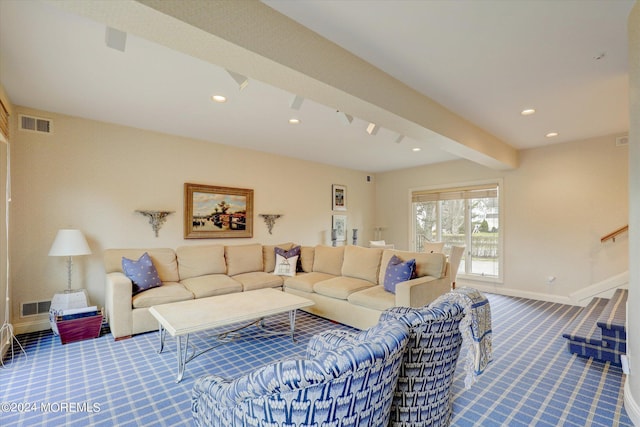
599, 330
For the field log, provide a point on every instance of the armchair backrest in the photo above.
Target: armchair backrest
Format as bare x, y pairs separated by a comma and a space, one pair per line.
349, 385
423, 393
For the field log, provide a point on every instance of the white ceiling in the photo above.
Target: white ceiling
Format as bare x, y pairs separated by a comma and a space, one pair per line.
484, 60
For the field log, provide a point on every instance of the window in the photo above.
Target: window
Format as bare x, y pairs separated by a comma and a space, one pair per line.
466, 215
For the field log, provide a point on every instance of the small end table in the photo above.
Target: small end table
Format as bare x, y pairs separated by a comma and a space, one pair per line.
74, 298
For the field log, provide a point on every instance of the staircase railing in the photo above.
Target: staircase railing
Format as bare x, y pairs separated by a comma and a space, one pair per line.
614, 234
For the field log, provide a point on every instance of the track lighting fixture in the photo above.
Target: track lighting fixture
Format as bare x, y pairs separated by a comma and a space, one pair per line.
116, 39
296, 102
344, 118
239, 78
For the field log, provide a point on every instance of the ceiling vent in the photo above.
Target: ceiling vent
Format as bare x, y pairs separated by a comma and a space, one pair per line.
35, 124
622, 140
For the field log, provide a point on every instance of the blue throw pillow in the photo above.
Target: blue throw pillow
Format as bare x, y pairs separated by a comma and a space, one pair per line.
398, 271
142, 273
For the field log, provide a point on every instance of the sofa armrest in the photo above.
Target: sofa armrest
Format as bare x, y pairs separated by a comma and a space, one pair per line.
118, 304
421, 291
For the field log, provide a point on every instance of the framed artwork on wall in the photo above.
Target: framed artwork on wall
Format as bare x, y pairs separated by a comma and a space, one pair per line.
212, 212
338, 197
339, 228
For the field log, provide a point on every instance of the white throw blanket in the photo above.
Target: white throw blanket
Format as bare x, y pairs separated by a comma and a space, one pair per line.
475, 328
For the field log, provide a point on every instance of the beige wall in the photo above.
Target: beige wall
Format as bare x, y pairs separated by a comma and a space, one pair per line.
3, 230
93, 176
557, 205
632, 385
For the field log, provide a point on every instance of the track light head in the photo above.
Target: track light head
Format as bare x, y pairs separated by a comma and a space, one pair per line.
372, 129
242, 81
345, 118
296, 102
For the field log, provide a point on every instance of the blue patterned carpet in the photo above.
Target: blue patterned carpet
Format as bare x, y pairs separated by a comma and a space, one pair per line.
533, 379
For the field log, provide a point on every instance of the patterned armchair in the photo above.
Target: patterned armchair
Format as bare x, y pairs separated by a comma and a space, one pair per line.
348, 385
423, 396
423, 393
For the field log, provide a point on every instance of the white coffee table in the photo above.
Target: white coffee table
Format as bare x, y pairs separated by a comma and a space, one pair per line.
186, 317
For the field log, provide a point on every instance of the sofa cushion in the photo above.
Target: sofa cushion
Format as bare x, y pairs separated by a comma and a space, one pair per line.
328, 259
305, 281
200, 260
341, 287
163, 259
375, 297
361, 263
168, 292
269, 256
258, 280
211, 284
306, 258
434, 264
142, 273
243, 258
398, 271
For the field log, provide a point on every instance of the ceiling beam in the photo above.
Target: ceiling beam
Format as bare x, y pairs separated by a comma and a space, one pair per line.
252, 39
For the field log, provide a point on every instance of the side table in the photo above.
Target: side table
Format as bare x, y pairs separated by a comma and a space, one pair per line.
76, 298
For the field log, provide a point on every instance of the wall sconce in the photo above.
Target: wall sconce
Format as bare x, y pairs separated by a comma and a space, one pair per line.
156, 218
270, 220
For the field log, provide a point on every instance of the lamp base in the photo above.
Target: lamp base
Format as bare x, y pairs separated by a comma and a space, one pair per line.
69, 298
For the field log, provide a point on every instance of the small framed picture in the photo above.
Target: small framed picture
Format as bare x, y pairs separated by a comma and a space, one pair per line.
339, 228
339, 197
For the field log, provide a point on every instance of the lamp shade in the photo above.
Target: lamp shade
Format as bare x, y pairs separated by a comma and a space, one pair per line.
69, 243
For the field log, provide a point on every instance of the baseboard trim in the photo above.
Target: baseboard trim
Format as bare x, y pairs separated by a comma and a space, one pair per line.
498, 289
34, 326
584, 295
630, 405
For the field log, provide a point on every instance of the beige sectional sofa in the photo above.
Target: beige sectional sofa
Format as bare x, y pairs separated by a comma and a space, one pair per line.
344, 282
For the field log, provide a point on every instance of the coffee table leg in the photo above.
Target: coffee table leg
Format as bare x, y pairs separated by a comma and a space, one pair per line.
292, 324
182, 356
161, 334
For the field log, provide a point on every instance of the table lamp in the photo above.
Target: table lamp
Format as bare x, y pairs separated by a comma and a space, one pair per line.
69, 243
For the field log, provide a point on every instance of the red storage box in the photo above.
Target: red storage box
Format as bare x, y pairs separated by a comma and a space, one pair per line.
79, 329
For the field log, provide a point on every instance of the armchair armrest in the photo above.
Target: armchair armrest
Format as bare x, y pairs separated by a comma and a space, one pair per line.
422, 290
278, 377
328, 340
118, 304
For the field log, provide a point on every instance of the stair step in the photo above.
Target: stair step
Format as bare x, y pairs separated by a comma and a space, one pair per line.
612, 322
584, 327
599, 329
614, 315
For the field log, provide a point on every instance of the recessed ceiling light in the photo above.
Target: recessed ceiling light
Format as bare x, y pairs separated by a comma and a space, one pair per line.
528, 111
552, 134
219, 98
294, 121
416, 149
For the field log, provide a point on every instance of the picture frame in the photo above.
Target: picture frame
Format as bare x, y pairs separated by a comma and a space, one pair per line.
339, 197
213, 212
339, 226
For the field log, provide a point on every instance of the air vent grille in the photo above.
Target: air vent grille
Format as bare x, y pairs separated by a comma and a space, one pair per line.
34, 308
35, 124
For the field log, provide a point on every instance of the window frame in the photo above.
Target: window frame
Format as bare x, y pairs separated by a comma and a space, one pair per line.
499, 279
